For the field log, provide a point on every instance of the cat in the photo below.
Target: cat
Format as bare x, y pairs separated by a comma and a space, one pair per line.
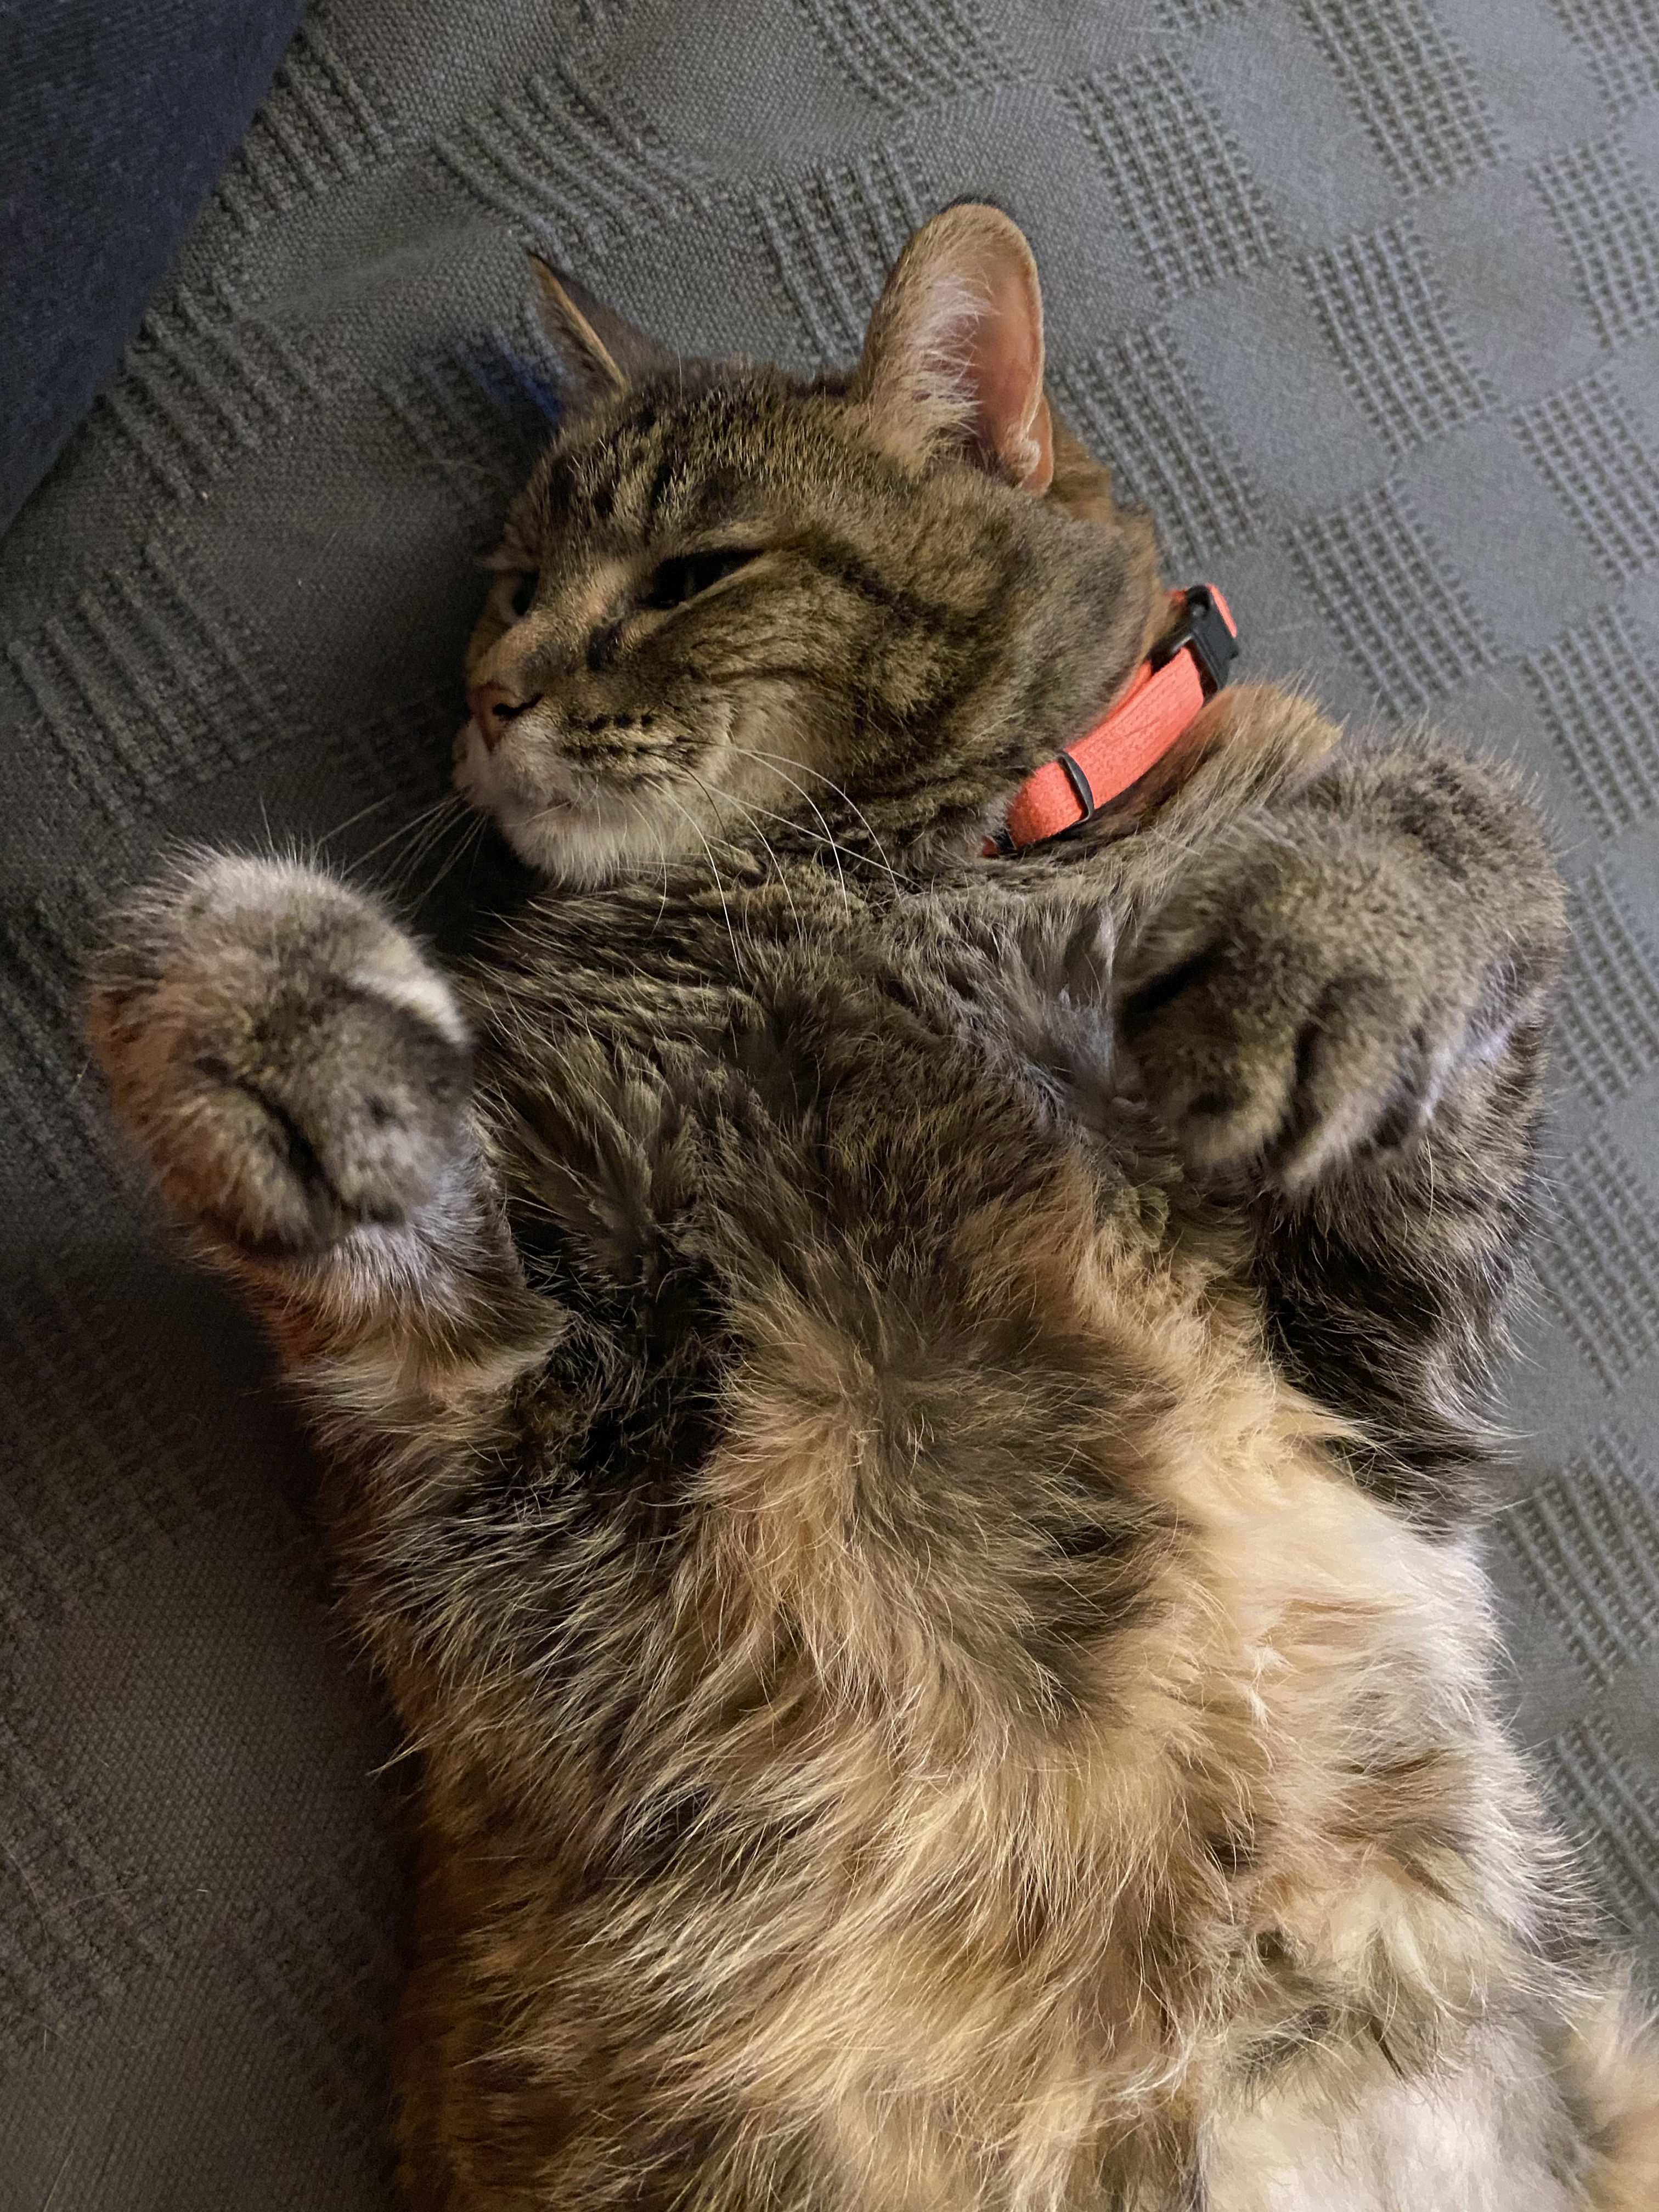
905, 1428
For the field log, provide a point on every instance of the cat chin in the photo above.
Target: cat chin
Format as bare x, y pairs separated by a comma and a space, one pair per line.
566, 846
562, 838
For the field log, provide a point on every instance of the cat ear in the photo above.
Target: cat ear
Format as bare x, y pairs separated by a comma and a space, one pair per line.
601, 353
954, 353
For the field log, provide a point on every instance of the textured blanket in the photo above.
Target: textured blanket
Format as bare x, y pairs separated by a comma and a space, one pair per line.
1362, 296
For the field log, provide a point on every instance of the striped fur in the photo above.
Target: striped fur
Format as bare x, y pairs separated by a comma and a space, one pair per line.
905, 1438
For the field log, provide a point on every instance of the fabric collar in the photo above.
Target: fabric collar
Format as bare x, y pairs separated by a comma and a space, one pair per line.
1158, 706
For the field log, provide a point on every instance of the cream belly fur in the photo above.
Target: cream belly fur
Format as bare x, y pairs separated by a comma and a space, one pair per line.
1287, 1598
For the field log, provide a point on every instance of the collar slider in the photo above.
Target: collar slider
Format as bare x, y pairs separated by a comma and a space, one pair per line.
1079, 783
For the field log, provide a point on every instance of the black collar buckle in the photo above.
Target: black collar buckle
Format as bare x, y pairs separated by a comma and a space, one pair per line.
1208, 631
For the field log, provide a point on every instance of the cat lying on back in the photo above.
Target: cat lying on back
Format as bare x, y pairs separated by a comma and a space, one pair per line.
902, 1426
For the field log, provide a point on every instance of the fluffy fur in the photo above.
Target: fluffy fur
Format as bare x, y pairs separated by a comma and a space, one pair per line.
903, 1429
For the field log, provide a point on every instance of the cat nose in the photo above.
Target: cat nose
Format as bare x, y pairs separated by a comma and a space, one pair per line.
492, 709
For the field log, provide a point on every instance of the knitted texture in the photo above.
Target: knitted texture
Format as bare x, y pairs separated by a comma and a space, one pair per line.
1362, 296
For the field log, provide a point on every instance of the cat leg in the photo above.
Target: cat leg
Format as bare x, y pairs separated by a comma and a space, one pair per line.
294, 1073
1023, 953
1336, 1009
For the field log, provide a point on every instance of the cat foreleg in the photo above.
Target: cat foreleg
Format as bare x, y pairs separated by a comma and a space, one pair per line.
1336, 1011
296, 1074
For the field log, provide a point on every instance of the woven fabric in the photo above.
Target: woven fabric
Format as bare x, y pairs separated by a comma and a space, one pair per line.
115, 117
1362, 296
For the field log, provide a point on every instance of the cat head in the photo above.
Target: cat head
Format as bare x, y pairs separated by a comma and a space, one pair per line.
730, 603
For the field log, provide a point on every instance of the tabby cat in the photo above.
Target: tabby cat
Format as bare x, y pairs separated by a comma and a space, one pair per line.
903, 1426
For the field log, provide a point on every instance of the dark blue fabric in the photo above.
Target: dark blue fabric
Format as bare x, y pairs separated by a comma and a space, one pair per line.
115, 117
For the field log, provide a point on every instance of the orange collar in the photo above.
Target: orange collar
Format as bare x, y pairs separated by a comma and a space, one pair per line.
1158, 706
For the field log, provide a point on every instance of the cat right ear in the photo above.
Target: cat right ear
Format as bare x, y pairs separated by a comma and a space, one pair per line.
954, 353
601, 354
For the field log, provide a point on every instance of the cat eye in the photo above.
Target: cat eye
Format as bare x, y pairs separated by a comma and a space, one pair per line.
524, 593
676, 582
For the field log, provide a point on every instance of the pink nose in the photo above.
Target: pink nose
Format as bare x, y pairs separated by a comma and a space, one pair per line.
493, 708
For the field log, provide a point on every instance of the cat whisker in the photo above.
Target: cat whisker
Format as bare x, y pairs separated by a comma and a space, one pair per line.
471, 839
714, 868
351, 820
443, 820
744, 807
779, 760
408, 829
783, 879
424, 830
829, 837
662, 904
818, 837
398, 883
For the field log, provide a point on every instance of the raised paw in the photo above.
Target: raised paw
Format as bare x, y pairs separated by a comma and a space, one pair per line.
284, 1058
1307, 1004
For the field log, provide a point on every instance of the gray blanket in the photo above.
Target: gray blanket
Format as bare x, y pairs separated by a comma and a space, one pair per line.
1363, 295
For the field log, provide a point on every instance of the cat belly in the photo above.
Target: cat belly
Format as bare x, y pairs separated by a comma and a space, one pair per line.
1159, 1829
1010, 1763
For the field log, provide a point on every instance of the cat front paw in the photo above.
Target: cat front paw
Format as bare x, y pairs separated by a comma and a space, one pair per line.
284, 1058
1304, 1010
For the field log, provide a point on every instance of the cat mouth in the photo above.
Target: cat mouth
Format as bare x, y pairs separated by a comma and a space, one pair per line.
496, 783
557, 814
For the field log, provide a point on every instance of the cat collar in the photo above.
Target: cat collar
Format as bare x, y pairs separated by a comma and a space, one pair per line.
1164, 696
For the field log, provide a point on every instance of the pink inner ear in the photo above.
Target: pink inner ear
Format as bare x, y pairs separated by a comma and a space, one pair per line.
1003, 365
954, 353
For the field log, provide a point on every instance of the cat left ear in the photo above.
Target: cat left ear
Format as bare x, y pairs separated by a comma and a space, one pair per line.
954, 353
601, 353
